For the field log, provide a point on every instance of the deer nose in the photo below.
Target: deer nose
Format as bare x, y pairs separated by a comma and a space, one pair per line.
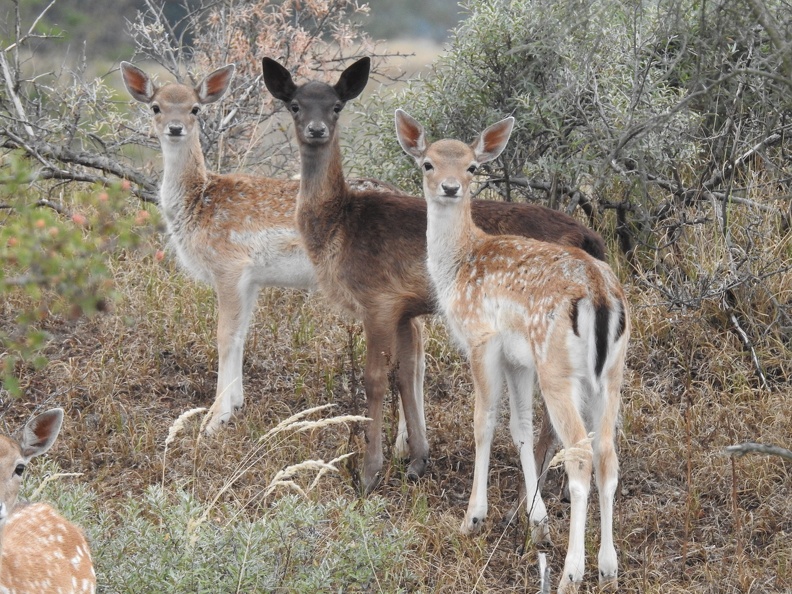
450, 188
316, 130
175, 129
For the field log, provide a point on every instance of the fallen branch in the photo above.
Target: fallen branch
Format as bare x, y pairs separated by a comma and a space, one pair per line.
49, 155
758, 448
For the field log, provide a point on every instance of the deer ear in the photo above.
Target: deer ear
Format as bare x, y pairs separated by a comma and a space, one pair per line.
40, 433
216, 84
278, 80
493, 140
353, 80
137, 82
410, 134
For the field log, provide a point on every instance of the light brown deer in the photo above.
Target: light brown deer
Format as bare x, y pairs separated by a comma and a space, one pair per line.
527, 312
369, 252
40, 551
235, 232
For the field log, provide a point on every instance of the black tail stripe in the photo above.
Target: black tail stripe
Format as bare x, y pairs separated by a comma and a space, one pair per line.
601, 315
622, 321
573, 314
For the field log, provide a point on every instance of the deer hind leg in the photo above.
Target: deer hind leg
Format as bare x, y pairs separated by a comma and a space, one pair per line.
411, 441
520, 382
543, 452
562, 395
235, 303
606, 468
412, 369
485, 364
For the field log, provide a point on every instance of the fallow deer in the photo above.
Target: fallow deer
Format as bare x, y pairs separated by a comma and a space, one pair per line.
527, 311
369, 251
40, 551
235, 232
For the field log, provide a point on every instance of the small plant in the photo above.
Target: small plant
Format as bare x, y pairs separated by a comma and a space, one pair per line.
169, 540
57, 255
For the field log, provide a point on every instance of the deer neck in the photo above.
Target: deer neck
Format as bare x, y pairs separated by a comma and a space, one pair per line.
450, 238
323, 193
184, 177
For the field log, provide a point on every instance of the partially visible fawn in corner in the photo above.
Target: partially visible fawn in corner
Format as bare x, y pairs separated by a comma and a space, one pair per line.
527, 311
235, 232
369, 251
40, 551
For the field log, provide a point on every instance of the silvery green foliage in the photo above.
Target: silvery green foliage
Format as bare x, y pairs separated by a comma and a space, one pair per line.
667, 121
158, 543
635, 95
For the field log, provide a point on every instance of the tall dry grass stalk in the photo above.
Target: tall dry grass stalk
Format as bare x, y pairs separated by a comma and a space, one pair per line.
283, 478
174, 430
57, 476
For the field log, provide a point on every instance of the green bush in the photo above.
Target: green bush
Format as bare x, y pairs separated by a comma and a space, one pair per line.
57, 253
159, 543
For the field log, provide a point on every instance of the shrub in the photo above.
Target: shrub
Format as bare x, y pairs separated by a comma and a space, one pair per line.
56, 252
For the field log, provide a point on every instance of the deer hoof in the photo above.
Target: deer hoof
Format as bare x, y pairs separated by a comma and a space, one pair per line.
370, 482
471, 525
609, 583
540, 533
416, 469
567, 586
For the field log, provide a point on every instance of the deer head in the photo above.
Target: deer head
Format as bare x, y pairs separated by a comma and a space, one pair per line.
315, 106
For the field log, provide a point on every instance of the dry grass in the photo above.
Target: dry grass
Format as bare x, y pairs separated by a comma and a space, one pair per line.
689, 518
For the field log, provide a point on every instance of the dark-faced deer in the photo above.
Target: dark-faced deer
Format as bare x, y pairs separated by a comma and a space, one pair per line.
527, 312
235, 232
369, 251
40, 551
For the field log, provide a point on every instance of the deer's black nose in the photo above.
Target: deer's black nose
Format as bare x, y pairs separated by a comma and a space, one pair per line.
450, 189
316, 130
175, 129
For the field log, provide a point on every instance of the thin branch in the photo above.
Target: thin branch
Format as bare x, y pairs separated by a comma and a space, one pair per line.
776, 37
758, 448
45, 153
748, 345
14, 98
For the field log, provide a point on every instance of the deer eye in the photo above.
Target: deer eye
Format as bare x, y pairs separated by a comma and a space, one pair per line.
20, 468
427, 166
195, 110
294, 107
338, 107
472, 169
155, 108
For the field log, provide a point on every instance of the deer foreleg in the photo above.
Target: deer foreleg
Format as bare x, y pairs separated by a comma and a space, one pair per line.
234, 309
488, 384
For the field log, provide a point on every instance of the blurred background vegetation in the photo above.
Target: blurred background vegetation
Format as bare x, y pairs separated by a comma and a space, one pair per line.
101, 25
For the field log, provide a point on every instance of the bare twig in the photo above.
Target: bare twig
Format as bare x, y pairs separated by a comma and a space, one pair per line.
758, 448
9, 84
748, 345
